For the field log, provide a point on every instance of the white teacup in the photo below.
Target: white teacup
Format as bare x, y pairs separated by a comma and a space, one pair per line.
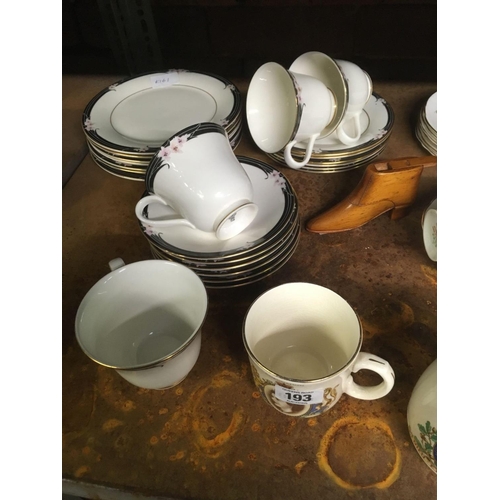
360, 87
284, 107
144, 320
304, 343
429, 230
197, 174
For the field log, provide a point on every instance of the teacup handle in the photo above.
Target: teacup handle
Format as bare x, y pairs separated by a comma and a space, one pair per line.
116, 264
307, 156
378, 365
154, 198
346, 139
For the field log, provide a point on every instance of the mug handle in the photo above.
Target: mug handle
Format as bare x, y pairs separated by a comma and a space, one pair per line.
346, 139
154, 198
307, 156
378, 365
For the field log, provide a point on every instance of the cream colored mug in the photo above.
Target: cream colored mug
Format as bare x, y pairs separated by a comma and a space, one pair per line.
304, 343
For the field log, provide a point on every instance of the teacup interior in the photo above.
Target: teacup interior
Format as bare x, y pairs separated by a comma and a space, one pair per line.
302, 331
271, 107
140, 314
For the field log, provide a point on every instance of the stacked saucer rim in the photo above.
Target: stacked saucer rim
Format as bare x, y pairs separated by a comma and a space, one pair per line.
266, 227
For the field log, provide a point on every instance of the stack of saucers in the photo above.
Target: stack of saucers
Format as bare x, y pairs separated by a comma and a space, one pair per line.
330, 155
126, 123
426, 128
255, 253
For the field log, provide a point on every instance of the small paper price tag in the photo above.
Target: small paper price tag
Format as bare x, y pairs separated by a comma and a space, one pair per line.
164, 80
298, 397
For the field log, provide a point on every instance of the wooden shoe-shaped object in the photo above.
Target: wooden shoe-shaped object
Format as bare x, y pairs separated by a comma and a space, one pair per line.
385, 186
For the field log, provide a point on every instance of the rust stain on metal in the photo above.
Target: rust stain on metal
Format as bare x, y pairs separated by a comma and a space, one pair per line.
255, 395
179, 391
178, 456
153, 440
256, 427
111, 424
387, 317
311, 422
226, 359
238, 464
222, 437
86, 450
252, 456
298, 467
430, 273
162, 411
82, 470
128, 405
360, 453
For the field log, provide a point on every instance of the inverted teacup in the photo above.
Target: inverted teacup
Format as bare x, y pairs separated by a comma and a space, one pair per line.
284, 107
197, 174
144, 320
304, 343
360, 89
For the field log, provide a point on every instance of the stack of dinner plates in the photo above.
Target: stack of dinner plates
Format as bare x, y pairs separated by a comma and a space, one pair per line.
426, 128
330, 155
126, 123
255, 253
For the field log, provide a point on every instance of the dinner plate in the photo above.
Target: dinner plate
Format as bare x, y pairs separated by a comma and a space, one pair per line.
140, 113
117, 172
380, 118
275, 198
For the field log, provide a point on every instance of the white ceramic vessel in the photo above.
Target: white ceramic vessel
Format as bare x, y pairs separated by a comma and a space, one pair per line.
431, 111
276, 201
140, 113
304, 341
360, 89
422, 416
197, 174
326, 70
429, 230
144, 320
284, 108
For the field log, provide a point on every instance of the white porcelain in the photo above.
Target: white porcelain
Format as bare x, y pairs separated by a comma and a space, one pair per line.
431, 111
326, 70
274, 196
197, 174
429, 230
360, 87
304, 341
144, 320
422, 416
284, 108
140, 113
377, 120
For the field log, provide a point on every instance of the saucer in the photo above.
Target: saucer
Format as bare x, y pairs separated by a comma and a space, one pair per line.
275, 198
139, 113
326, 70
380, 122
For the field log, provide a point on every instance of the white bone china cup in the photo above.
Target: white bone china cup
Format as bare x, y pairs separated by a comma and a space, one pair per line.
360, 88
284, 108
197, 174
304, 342
144, 320
429, 230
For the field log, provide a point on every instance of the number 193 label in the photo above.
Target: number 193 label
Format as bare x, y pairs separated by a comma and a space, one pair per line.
298, 397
